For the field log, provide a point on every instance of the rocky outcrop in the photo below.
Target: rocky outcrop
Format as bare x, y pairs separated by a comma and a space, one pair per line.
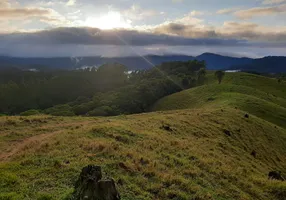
276, 175
89, 186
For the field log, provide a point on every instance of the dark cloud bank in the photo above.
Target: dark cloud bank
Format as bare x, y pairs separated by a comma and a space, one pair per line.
94, 36
74, 41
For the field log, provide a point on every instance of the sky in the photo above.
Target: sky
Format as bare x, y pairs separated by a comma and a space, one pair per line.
56, 28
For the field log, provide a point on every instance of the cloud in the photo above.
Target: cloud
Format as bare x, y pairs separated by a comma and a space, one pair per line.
19, 13
94, 36
4, 4
187, 19
230, 34
261, 11
196, 13
229, 30
15, 13
252, 32
135, 12
268, 2
71, 2
189, 31
186, 26
226, 11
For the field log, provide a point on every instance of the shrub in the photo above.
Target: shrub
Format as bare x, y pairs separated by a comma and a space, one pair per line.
30, 112
43, 196
10, 196
101, 111
60, 110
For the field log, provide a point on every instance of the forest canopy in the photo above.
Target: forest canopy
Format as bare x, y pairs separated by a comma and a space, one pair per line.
104, 91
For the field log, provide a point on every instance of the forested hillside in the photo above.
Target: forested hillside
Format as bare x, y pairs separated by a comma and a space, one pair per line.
108, 90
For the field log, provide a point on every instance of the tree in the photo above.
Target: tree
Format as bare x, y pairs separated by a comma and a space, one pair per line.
219, 74
185, 82
30, 113
201, 75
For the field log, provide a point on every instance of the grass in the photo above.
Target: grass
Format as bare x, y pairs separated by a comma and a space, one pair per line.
205, 153
261, 96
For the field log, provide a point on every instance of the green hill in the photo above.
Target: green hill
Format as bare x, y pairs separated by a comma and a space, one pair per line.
261, 96
202, 147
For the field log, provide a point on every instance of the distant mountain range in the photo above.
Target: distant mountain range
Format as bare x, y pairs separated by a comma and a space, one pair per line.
270, 64
274, 64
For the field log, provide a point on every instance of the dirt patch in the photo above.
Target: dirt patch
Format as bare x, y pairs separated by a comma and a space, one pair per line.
14, 149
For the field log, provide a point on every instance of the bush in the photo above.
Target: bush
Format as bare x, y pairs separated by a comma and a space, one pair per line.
43, 196
101, 111
60, 110
10, 196
30, 112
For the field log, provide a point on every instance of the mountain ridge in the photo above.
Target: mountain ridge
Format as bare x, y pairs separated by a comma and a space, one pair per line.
268, 64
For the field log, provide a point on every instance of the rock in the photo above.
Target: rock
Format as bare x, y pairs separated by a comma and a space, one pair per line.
227, 132
211, 99
123, 166
107, 190
275, 175
89, 186
144, 162
253, 153
167, 128
120, 182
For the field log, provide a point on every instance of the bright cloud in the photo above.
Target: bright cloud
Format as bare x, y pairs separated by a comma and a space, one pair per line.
71, 3
135, 12
110, 20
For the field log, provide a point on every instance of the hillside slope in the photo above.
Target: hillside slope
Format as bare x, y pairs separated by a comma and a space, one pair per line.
207, 150
204, 154
261, 96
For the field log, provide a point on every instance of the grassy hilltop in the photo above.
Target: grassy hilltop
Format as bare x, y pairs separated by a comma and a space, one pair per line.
198, 144
261, 96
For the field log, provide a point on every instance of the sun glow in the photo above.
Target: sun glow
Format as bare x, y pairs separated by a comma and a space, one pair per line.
109, 21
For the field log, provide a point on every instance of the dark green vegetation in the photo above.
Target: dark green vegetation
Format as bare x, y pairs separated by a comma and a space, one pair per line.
24, 90
217, 141
109, 90
219, 74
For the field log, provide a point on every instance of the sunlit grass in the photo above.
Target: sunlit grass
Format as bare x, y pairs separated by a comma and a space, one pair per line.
201, 151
